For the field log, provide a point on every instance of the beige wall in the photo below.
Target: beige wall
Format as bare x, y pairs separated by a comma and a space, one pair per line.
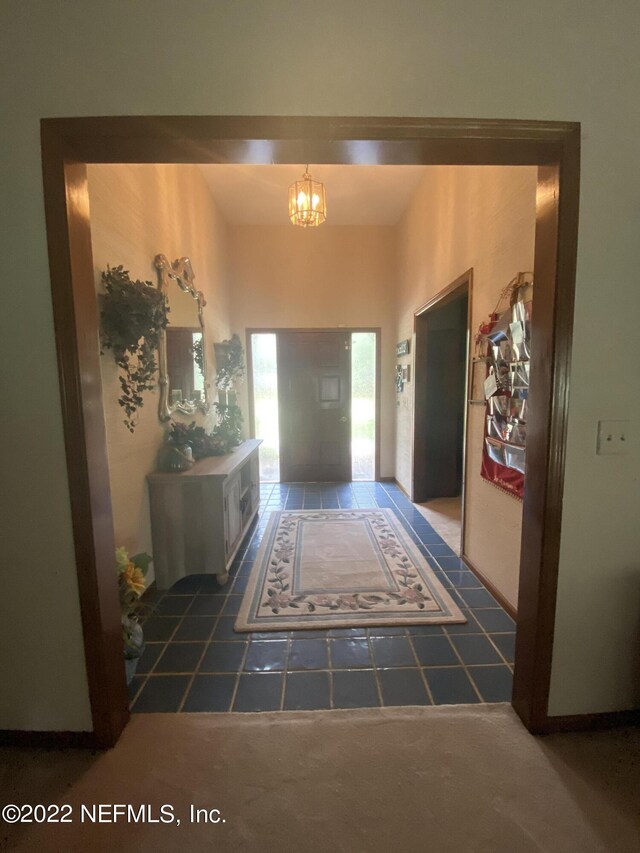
327, 277
138, 211
479, 58
461, 218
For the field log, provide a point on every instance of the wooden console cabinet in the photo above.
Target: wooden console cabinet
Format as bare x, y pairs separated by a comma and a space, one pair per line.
199, 516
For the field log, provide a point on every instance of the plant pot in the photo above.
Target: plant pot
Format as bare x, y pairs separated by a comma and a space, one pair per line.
133, 648
172, 458
130, 667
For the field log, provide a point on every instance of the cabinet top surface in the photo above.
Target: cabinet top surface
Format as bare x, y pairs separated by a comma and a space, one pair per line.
212, 466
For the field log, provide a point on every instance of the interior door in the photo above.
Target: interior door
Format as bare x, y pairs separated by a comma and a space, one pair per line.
314, 405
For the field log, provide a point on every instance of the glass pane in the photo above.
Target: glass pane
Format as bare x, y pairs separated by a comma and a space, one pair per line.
198, 378
265, 401
363, 405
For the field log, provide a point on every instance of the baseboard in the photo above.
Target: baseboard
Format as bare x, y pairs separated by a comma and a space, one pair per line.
395, 482
41, 739
502, 601
589, 722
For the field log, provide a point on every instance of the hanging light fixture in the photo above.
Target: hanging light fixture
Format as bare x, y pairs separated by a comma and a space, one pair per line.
307, 203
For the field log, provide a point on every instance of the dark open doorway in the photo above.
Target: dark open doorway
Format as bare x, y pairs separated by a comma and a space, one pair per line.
441, 359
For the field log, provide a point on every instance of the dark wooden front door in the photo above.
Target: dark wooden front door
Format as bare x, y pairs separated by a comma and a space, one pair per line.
314, 406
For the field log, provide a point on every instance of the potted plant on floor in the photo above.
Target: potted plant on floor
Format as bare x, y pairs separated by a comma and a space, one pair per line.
131, 586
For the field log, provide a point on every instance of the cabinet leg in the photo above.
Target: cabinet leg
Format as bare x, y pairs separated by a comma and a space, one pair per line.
222, 579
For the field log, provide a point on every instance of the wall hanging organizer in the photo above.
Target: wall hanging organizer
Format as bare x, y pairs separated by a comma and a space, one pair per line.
502, 363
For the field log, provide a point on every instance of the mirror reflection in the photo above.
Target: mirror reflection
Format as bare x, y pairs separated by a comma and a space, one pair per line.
184, 365
183, 371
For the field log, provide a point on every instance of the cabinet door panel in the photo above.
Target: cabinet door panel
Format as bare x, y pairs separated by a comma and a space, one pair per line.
255, 481
232, 514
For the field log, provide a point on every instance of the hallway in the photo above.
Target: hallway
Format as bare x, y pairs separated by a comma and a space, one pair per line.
194, 661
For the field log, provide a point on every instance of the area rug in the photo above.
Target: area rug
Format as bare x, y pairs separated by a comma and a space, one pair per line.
341, 569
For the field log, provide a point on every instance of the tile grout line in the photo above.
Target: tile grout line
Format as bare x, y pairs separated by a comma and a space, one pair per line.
331, 671
464, 666
502, 657
285, 671
239, 674
375, 672
204, 651
134, 698
193, 677
252, 673
421, 668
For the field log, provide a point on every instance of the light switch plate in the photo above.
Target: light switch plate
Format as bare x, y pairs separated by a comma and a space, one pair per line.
614, 437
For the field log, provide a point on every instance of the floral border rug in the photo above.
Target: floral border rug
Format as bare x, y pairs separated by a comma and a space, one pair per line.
341, 569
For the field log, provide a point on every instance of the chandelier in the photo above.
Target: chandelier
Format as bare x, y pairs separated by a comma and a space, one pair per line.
307, 203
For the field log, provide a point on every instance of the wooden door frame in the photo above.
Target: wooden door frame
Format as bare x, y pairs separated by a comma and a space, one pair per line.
69, 144
347, 330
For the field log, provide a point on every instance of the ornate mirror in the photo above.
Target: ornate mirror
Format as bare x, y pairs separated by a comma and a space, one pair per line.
182, 351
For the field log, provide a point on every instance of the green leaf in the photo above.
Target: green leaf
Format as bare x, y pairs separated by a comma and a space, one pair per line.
142, 561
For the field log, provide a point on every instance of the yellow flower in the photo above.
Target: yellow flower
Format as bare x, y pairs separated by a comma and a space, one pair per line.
134, 579
122, 559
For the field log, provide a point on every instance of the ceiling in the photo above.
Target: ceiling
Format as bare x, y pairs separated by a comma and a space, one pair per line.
356, 195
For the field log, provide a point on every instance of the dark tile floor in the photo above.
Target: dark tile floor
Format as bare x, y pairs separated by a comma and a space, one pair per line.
194, 661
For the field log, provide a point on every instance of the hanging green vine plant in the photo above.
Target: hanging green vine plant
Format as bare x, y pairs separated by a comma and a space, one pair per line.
133, 315
230, 363
198, 354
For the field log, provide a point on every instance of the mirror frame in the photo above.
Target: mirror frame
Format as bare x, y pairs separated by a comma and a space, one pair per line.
180, 272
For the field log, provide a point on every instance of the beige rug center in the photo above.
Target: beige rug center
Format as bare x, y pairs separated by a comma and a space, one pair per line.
338, 556
340, 569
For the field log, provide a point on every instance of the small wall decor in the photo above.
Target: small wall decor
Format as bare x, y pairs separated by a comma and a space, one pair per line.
133, 317
403, 347
399, 379
503, 346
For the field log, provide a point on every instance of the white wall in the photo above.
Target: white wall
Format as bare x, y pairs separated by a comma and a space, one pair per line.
137, 212
464, 217
327, 277
555, 59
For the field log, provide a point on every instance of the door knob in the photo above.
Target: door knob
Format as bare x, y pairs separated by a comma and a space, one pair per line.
344, 419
